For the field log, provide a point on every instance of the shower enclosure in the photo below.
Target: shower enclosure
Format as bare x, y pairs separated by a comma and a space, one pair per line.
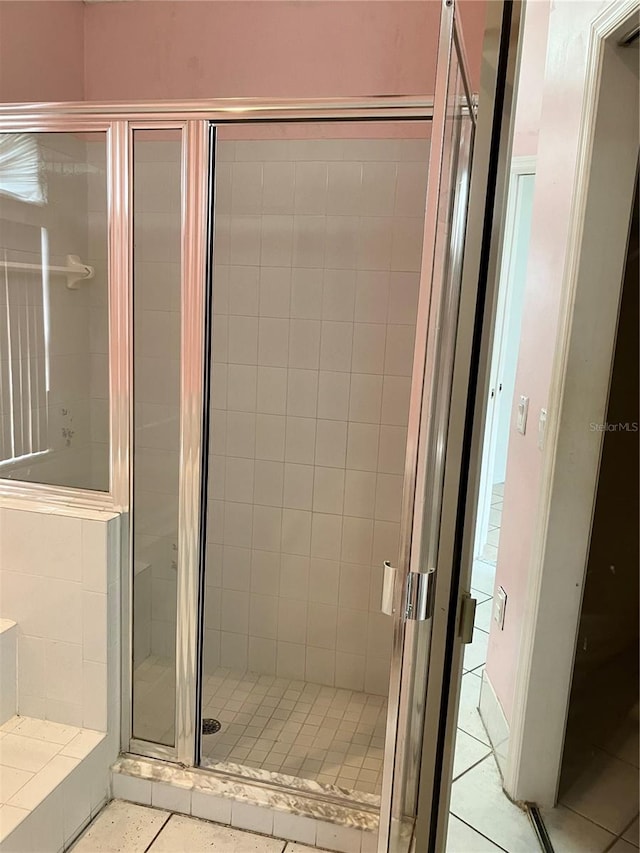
282, 285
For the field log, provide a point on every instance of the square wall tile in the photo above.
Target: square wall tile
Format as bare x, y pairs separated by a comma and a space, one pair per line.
345, 839
294, 827
171, 797
210, 807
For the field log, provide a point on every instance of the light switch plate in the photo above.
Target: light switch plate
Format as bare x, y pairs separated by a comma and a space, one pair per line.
499, 607
523, 411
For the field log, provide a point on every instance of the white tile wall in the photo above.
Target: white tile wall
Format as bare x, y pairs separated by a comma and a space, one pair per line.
317, 252
8, 670
58, 577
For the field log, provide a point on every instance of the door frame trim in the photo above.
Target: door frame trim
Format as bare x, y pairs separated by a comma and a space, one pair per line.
563, 526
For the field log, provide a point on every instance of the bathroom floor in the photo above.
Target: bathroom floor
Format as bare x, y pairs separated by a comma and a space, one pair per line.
490, 551
130, 828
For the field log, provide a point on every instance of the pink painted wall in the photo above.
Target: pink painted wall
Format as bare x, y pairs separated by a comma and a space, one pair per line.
42, 50
529, 102
191, 49
161, 49
560, 92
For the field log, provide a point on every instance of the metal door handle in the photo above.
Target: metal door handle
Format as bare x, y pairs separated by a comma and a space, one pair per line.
388, 588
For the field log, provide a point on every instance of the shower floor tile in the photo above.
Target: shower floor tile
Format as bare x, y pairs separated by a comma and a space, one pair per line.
297, 728
324, 734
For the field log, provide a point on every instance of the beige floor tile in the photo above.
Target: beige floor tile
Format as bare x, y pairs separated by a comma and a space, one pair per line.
493, 537
480, 596
468, 752
483, 615
571, 833
606, 792
477, 799
490, 554
631, 834
475, 654
463, 839
293, 847
197, 836
622, 846
468, 715
625, 743
122, 828
483, 576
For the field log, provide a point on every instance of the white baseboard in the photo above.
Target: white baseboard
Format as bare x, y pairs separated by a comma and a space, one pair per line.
494, 721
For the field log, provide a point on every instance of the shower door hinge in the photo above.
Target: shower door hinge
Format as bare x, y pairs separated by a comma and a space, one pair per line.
419, 595
467, 618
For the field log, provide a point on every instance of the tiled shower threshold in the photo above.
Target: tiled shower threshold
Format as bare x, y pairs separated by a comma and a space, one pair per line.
266, 802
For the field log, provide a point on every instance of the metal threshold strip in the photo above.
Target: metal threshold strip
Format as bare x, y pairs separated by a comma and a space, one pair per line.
539, 828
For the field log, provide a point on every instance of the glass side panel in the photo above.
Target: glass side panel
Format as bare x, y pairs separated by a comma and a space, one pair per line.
317, 250
54, 378
156, 445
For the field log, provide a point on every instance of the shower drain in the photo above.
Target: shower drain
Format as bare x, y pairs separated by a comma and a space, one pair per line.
210, 726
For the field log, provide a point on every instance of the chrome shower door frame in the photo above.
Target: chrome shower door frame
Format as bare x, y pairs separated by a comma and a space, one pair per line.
431, 388
195, 119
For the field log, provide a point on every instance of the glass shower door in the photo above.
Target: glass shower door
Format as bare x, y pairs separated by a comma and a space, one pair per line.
317, 249
409, 589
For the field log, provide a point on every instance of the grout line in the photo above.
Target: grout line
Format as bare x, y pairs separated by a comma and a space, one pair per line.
155, 837
473, 766
590, 820
479, 761
486, 837
615, 757
620, 837
475, 738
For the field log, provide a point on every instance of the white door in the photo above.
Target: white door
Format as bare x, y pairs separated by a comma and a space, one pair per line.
501, 402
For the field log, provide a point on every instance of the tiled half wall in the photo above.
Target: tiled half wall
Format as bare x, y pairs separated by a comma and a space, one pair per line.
59, 584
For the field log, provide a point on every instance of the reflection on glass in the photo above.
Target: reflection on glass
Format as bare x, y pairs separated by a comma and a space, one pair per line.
54, 391
156, 355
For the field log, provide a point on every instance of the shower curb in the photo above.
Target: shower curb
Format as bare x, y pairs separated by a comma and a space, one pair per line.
306, 817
